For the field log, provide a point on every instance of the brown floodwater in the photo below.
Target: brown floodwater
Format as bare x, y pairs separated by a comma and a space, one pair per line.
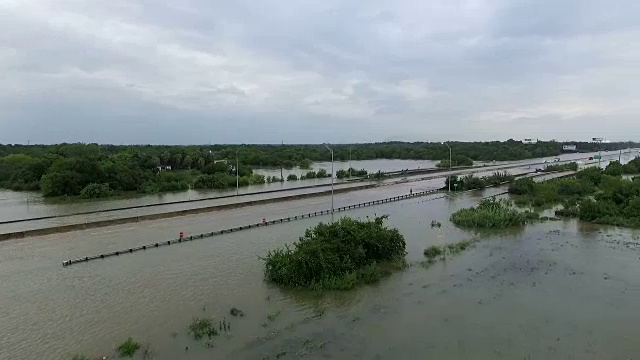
555, 290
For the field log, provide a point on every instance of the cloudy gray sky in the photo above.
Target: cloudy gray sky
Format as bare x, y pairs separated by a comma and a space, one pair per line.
200, 71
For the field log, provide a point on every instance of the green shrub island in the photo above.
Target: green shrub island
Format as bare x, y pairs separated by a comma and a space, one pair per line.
594, 195
492, 213
338, 255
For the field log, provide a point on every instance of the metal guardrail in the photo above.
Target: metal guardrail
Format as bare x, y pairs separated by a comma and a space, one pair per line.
272, 222
246, 227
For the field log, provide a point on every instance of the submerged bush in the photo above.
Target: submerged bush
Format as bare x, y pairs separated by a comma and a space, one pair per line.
458, 247
128, 348
341, 174
338, 256
568, 211
433, 251
95, 191
471, 182
572, 166
522, 186
548, 193
202, 327
491, 213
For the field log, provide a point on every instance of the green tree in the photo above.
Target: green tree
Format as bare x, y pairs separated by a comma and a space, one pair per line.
187, 161
199, 163
164, 158
94, 191
176, 160
305, 164
614, 169
61, 183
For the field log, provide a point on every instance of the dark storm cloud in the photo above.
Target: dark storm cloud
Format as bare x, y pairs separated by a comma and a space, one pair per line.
313, 71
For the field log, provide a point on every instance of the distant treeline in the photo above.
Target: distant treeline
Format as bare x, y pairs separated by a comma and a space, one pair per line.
100, 170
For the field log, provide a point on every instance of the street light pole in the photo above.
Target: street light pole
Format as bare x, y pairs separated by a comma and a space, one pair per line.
449, 177
328, 148
349, 162
237, 176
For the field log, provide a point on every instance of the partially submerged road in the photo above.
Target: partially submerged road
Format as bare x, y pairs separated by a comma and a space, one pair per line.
138, 214
100, 219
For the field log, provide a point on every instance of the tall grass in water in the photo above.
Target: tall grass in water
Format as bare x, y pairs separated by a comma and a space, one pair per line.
128, 348
201, 328
435, 251
338, 256
492, 214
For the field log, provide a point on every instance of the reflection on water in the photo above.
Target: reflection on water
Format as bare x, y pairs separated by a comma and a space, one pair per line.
545, 291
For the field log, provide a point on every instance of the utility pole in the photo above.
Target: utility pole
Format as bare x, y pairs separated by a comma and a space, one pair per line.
349, 162
327, 146
281, 177
449, 177
237, 174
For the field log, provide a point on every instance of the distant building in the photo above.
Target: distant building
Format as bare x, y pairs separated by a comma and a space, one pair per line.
162, 168
529, 141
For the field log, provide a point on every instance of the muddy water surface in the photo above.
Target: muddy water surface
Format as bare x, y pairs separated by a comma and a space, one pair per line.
558, 290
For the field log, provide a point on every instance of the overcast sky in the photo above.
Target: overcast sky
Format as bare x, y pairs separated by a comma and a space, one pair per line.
310, 71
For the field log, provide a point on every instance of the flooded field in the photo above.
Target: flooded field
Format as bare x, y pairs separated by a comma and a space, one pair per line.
556, 290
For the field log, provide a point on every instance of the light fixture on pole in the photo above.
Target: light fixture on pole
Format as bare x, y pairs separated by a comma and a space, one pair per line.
449, 176
328, 148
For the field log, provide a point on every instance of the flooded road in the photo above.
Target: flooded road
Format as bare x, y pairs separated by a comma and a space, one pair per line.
23, 205
436, 181
556, 290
